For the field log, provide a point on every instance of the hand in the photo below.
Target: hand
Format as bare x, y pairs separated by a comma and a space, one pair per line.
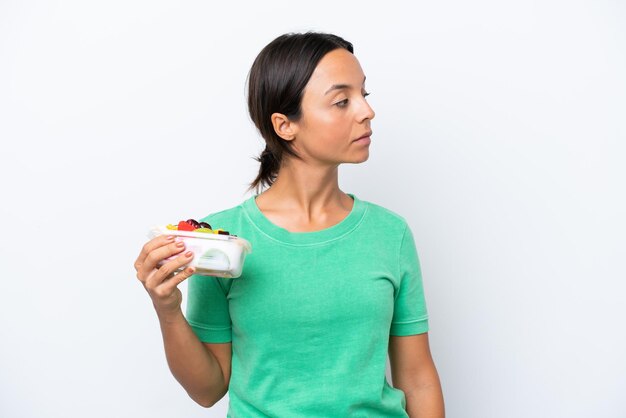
161, 282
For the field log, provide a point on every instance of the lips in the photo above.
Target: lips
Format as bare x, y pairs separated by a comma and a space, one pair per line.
365, 135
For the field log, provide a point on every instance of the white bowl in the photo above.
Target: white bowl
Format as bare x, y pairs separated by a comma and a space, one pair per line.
213, 254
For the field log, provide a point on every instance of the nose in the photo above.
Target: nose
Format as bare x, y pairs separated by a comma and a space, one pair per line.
367, 112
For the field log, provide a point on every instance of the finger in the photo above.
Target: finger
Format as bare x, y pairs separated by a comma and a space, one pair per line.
165, 272
155, 256
150, 266
169, 285
154, 243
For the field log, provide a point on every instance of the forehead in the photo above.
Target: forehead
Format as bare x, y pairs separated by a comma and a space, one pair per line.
337, 67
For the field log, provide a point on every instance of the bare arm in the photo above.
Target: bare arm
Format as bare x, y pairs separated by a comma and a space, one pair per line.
202, 369
413, 371
192, 363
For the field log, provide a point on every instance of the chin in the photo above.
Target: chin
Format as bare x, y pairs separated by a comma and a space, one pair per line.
358, 160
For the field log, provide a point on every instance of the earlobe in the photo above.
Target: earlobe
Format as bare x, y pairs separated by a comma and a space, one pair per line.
283, 127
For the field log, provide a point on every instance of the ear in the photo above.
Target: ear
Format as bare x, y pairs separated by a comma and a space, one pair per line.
283, 127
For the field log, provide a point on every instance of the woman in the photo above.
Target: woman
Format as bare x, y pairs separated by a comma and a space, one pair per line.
333, 284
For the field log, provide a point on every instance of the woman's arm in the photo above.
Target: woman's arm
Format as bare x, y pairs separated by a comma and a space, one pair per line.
194, 365
203, 370
413, 371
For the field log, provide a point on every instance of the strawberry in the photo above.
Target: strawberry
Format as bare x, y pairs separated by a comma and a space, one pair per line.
185, 226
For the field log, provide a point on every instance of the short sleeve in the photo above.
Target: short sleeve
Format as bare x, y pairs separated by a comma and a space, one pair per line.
207, 309
409, 315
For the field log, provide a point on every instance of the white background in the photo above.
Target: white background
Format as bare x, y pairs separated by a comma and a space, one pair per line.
499, 135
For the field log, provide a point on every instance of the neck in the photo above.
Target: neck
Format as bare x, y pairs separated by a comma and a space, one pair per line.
312, 191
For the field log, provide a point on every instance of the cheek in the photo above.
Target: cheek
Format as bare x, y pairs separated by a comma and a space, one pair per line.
332, 125
323, 118
328, 130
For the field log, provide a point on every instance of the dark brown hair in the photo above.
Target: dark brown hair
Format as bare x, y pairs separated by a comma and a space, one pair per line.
276, 83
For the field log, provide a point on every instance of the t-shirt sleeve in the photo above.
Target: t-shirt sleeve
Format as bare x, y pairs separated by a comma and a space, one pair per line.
409, 315
207, 308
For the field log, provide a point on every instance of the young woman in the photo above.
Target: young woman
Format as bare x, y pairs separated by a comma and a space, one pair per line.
333, 284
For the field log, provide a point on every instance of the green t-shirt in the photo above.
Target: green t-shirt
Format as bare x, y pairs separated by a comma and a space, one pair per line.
310, 316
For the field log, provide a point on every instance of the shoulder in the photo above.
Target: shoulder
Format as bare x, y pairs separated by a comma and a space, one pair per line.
383, 217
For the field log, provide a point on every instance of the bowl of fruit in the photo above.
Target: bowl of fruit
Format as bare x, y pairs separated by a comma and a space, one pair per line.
216, 252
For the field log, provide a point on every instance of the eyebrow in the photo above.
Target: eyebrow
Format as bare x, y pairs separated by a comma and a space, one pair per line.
340, 86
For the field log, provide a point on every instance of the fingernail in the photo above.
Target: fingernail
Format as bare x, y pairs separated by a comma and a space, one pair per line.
191, 270
170, 237
188, 253
180, 244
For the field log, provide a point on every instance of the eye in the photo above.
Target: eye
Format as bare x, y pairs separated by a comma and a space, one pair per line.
344, 102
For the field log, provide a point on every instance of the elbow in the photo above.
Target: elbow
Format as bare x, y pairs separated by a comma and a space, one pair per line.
204, 402
207, 400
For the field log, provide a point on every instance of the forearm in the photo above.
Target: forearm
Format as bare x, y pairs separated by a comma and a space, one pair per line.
422, 390
193, 366
425, 402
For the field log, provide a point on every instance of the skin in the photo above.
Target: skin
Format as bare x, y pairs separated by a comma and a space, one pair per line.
413, 371
305, 197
